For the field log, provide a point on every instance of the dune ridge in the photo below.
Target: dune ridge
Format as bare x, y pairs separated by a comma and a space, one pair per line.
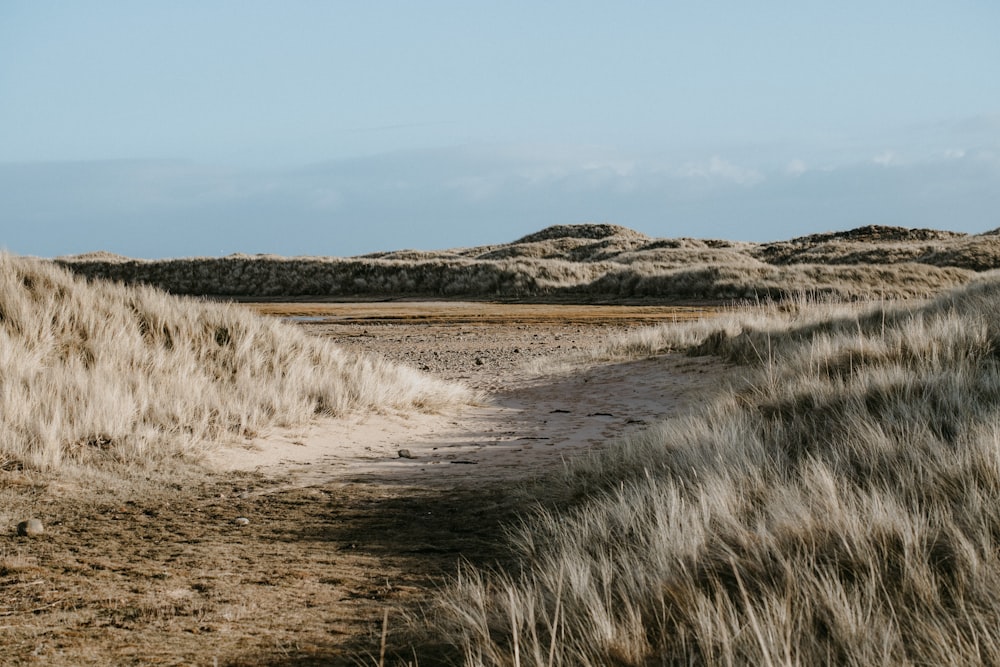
590, 262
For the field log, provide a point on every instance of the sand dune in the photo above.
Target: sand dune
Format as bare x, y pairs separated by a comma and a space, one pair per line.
802, 481
587, 263
94, 372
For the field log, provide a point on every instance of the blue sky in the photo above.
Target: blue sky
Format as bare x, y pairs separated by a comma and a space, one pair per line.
304, 127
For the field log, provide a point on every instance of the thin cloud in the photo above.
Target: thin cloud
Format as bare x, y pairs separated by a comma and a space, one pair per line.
886, 158
718, 168
796, 167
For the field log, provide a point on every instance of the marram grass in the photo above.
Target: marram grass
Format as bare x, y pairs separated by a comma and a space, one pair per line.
843, 507
94, 371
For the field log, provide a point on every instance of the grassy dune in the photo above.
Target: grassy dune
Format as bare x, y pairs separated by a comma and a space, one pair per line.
840, 507
591, 262
100, 372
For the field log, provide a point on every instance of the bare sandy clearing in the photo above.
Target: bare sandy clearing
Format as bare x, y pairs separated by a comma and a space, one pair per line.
532, 418
523, 430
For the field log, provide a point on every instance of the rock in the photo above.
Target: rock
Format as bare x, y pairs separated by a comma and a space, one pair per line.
30, 528
479, 361
242, 521
405, 454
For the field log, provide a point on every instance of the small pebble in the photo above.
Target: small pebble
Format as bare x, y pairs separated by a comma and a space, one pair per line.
30, 528
405, 454
242, 521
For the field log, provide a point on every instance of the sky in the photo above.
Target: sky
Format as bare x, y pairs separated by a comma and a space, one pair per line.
306, 127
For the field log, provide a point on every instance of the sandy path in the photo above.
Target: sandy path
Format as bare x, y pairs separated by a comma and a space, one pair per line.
530, 422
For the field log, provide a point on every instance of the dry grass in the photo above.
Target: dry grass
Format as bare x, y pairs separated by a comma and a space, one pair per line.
841, 507
703, 335
93, 372
591, 262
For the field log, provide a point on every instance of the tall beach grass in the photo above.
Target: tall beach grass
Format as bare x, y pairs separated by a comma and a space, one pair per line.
95, 371
840, 507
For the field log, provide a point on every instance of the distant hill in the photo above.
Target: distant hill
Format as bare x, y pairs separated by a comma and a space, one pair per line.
590, 262
589, 231
880, 234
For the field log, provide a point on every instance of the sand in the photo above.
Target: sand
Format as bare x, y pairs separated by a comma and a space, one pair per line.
534, 416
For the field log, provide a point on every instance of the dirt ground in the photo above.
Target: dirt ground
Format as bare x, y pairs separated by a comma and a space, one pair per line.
341, 529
